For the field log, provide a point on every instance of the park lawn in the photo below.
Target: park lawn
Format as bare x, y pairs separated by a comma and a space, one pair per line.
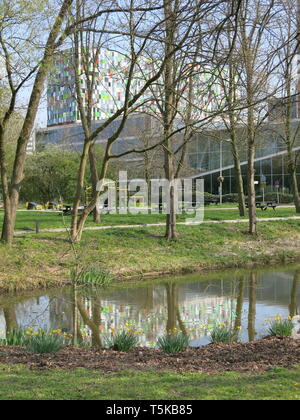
45, 260
20, 383
26, 220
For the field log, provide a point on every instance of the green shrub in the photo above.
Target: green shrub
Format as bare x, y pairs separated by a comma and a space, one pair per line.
231, 198
43, 342
91, 277
15, 337
281, 327
224, 334
173, 342
123, 341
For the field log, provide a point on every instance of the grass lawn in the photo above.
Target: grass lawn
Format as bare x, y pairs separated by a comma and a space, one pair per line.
26, 219
20, 383
45, 260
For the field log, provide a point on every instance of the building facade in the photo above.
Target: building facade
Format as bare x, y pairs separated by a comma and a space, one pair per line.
211, 154
109, 69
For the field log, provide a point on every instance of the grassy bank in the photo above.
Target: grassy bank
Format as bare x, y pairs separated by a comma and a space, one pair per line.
45, 260
20, 383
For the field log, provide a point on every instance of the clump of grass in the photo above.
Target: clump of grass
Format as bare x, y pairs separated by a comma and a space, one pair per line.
174, 342
122, 341
281, 327
224, 334
91, 277
15, 337
44, 342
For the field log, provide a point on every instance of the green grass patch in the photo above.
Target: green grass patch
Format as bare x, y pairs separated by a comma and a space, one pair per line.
20, 383
26, 220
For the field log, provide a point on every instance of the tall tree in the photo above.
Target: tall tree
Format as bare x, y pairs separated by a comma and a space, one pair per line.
18, 73
141, 32
255, 20
288, 105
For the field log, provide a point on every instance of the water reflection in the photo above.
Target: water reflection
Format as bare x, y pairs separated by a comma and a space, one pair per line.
252, 306
193, 306
294, 293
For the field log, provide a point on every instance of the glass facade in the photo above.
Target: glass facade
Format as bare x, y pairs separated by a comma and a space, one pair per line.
210, 155
71, 136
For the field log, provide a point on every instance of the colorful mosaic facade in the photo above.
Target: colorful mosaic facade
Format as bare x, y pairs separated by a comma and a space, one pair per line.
109, 87
111, 74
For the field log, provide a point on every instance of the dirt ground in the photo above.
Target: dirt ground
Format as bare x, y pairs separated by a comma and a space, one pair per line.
258, 356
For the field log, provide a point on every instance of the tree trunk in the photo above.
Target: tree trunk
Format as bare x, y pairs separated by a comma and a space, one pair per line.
171, 230
96, 340
170, 106
240, 187
293, 174
293, 307
12, 196
10, 317
172, 300
252, 306
232, 98
94, 181
8, 227
77, 223
238, 174
78, 194
251, 190
239, 304
251, 154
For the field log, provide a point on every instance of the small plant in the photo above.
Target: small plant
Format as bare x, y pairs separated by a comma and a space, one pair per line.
43, 342
122, 341
125, 339
224, 334
174, 342
15, 337
91, 277
281, 327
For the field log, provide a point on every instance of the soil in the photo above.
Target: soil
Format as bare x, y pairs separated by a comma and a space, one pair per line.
256, 357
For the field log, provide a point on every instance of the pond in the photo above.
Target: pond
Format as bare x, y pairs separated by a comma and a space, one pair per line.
246, 299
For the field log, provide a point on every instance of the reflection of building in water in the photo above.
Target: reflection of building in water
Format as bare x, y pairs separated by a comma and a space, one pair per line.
39, 312
155, 309
2, 325
197, 315
61, 313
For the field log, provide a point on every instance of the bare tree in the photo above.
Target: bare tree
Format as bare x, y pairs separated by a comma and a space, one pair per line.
288, 105
140, 33
255, 22
229, 71
179, 97
18, 72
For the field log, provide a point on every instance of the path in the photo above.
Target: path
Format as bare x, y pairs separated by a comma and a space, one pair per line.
206, 222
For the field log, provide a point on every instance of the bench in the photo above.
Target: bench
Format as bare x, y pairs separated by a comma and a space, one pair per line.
209, 202
265, 206
68, 210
